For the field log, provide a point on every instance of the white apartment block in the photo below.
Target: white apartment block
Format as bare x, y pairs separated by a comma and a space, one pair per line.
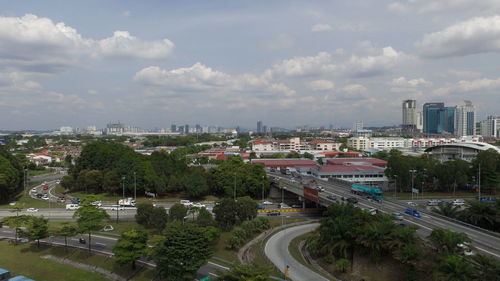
294, 144
362, 143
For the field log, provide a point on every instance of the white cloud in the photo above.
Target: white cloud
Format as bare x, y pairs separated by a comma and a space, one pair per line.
202, 78
425, 6
92, 92
321, 85
464, 86
304, 66
37, 44
464, 73
197, 76
403, 82
354, 88
386, 59
477, 35
320, 27
122, 44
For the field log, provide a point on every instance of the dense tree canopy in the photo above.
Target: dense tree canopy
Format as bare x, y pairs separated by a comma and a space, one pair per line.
11, 176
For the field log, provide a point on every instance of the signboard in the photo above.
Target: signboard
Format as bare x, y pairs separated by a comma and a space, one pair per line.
311, 193
414, 190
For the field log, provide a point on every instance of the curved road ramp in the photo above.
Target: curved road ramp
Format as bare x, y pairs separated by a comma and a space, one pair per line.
277, 251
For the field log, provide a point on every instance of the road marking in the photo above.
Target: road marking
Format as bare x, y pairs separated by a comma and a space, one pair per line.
102, 244
498, 256
212, 263
213, 274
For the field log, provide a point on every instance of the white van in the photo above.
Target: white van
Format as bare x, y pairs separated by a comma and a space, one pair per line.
72, 206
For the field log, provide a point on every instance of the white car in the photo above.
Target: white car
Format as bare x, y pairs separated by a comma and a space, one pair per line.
186, 203
267, 203
466, 247
198, 205
45, 197
108, 228
412, 204
33, 189
96, 203
31, 210
117, 207
458, 202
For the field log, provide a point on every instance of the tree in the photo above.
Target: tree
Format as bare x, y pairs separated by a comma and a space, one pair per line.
66, 230
143, 214
486, 268
130, 247
111, 181
247, 272
402, 236
447, 209
196, 184
446, 241
183, 251
481, 214
158, 218
225, 212
89, 219
454, 268
374, 237
16, 222
177, 212
205, 218
246, 208
37, 228
11, 176
342, 265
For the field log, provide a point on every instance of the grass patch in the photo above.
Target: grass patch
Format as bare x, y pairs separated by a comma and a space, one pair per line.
35, 267
25, 260
27, 202
222, 251
32, 173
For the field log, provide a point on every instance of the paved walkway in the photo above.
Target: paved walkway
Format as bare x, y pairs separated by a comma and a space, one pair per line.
277, 251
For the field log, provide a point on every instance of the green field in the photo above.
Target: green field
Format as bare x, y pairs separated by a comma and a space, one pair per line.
33, 266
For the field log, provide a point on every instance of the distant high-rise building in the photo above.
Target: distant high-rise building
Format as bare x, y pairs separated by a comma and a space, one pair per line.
438, 119
490, 128
180, 129
259, 126
264, 129
420, 121
357, 126
409, 116
173, 128
186, 129
465, 119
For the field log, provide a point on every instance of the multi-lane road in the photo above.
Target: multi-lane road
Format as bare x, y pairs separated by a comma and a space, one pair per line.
484, 241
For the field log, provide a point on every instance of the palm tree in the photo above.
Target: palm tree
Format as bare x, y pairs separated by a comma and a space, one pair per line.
487, 268
481, 214
374, 237
401, 236
454, 268
446, 241
447, 209
337, 235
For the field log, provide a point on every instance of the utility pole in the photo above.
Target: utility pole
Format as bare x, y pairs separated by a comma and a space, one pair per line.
412, 184
234, 188
479, 182
263, 188
123, 187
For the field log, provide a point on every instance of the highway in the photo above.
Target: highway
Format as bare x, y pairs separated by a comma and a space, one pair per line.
104, 245
482, 240
276, 250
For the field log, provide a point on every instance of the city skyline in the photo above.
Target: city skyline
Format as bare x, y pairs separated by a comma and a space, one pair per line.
287, 63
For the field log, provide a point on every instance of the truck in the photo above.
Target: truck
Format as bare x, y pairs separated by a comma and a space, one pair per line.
129, 202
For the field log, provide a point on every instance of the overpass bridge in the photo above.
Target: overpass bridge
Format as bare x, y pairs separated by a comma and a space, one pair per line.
485, 241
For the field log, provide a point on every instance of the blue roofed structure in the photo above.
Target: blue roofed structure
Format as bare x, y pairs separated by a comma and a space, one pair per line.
20, 278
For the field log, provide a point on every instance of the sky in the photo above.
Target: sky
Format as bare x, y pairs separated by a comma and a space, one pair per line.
288, 63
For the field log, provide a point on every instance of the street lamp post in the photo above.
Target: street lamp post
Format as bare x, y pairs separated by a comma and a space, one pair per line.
412, 183
123, 187
263, 188
135, 187
395, 185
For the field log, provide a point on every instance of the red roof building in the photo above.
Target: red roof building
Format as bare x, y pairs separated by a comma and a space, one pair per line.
282, 163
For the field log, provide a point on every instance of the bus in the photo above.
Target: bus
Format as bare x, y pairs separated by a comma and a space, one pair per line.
366, 190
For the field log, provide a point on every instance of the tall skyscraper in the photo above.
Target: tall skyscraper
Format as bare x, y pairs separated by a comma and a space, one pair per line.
259, 126
409, 116
186, 129
490, 128
357, 126
438, 119
173, 128
465, 119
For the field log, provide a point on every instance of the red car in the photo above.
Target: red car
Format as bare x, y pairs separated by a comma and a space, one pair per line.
45, 187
